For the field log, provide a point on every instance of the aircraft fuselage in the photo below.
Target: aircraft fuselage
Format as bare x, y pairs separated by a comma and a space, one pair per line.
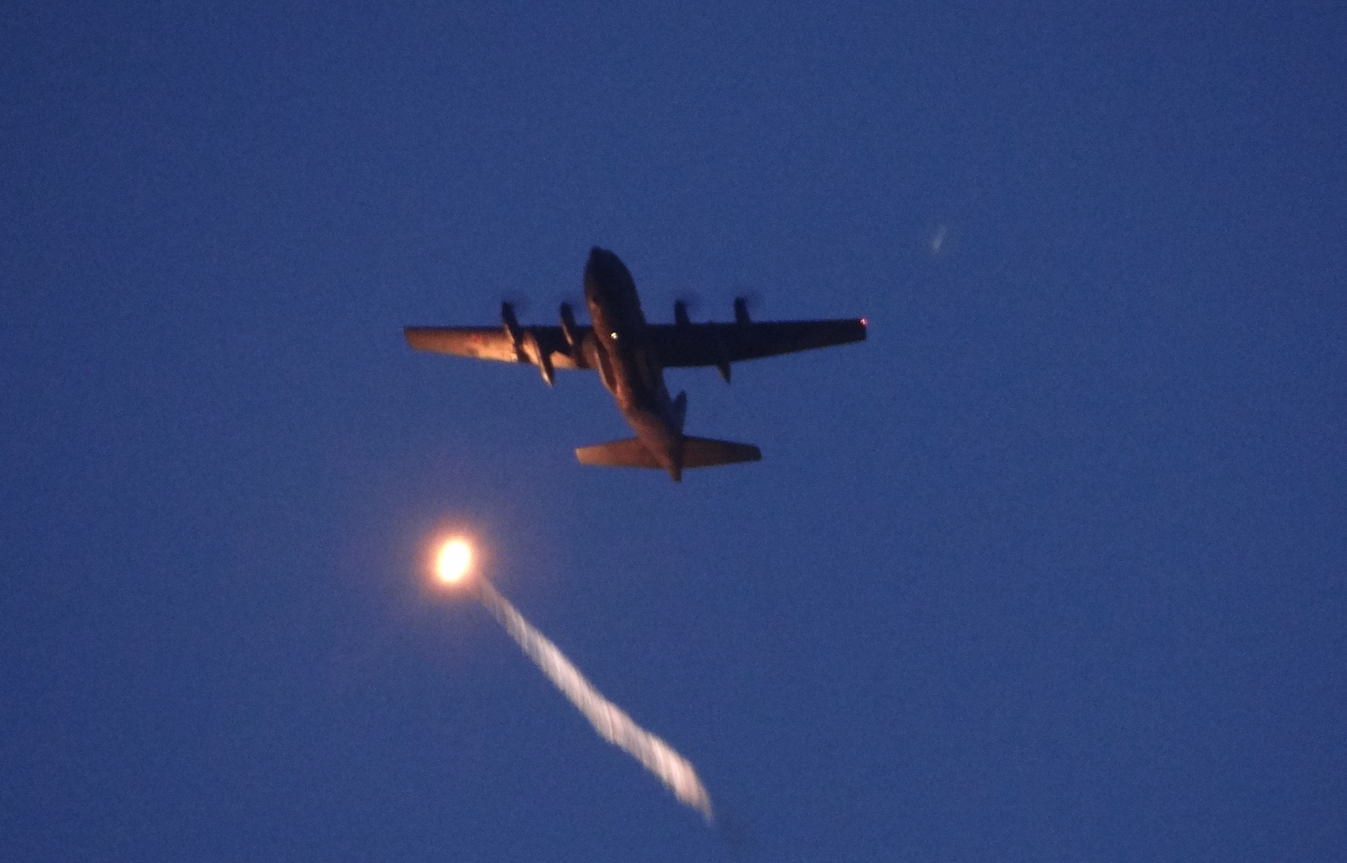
624, 355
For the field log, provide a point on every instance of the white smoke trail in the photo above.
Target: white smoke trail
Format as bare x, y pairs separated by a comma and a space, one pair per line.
609, 720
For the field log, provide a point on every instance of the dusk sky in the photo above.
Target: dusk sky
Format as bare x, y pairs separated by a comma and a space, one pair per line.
1052, 567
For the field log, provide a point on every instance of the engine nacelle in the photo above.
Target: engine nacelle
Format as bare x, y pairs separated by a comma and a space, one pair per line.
534, 353
510, 324
571, 331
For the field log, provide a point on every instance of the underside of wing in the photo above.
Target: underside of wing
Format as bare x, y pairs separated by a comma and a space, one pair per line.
687, 344
492, 343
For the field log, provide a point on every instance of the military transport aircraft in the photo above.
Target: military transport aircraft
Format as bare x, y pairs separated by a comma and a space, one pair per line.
631, 355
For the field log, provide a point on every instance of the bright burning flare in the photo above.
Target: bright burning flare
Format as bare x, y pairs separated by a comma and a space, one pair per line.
610, 721
453, 561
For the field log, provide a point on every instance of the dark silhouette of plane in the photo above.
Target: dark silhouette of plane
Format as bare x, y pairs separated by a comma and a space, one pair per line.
630, 356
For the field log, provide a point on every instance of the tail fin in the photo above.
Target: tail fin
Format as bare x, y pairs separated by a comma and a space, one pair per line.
704, 452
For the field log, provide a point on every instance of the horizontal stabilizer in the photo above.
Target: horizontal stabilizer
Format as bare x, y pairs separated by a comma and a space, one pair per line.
620, 453
697, 452
704, 452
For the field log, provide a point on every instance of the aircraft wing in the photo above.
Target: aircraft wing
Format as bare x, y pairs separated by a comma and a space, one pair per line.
492, 343
684, 345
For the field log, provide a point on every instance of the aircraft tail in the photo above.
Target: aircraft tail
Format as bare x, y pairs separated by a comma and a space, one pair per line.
697, 452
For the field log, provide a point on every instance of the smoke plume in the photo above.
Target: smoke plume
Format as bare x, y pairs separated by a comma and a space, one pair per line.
609, 720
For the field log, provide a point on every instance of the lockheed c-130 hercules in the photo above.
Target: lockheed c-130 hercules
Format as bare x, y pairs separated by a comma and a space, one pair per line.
630, 356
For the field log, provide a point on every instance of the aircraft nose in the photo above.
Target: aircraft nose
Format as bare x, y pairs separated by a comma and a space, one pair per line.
597, 270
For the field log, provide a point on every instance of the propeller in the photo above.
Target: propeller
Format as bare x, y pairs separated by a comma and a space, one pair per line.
579, 309
747, 298
683, 303
519, 302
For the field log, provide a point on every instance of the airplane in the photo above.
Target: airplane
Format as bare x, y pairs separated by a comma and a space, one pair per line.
630, 356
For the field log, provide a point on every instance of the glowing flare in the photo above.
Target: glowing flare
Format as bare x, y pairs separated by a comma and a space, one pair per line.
610, 721
453, 561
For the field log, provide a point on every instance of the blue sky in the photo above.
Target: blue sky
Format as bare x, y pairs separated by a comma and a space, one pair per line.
1051, 567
